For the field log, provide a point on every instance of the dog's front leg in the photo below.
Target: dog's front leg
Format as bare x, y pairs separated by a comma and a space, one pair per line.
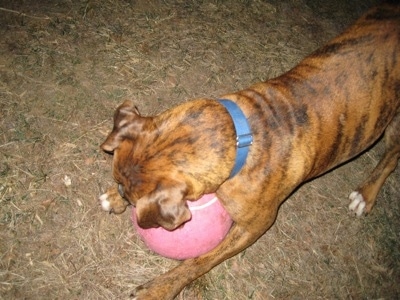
168, 285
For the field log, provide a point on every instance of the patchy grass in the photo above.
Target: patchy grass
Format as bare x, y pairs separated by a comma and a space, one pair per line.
65, 66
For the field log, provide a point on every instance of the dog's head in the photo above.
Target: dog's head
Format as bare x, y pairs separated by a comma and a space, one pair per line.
160, 162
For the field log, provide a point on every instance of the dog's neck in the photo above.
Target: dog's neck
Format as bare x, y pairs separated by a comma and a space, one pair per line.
244, 136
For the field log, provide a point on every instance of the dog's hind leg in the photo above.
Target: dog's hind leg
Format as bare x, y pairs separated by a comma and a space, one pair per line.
363, 199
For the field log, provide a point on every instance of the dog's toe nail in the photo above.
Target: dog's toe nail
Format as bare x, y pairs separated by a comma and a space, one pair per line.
360, 209
357, 204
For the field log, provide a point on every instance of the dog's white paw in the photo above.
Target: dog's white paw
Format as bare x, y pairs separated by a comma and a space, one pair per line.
105, 204
357, 204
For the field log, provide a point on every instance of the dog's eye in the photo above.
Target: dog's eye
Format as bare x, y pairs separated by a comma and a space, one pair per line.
121, 190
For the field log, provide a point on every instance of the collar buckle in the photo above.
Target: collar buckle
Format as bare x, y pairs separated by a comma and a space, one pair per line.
244, 140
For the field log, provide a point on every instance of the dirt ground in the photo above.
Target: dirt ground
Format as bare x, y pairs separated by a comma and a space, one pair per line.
65, 66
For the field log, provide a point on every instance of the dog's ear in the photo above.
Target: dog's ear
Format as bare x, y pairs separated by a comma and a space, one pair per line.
165, 206
127, 122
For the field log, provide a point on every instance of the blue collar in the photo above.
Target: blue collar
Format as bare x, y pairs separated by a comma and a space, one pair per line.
244, 137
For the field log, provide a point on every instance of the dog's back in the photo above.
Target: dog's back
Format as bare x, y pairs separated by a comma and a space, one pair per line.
338, 100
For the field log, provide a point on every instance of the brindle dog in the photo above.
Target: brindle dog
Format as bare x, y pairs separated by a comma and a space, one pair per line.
332, 106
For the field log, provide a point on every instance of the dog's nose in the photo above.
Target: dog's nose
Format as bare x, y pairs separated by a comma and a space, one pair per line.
121, 190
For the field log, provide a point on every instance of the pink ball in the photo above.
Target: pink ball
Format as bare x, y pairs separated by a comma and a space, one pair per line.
209, 225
